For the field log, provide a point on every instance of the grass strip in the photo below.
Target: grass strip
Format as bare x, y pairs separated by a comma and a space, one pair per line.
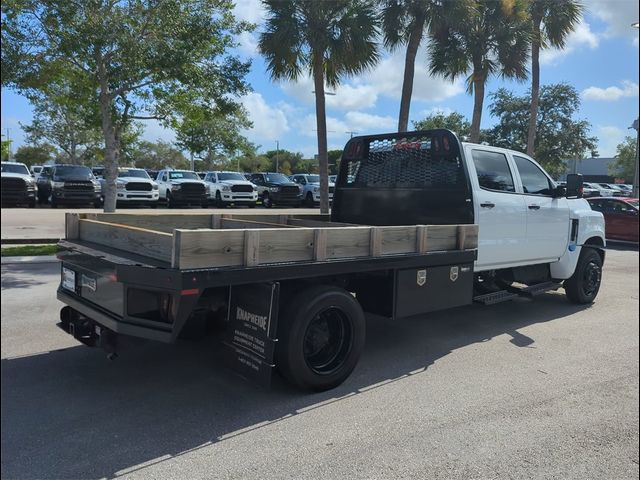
29, 250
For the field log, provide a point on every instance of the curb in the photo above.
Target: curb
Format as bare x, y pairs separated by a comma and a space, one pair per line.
34, 259
28, 241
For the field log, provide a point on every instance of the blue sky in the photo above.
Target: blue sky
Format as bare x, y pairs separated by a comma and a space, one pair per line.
600, 61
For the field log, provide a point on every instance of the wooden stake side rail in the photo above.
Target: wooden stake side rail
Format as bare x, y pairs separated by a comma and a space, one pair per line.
188, 241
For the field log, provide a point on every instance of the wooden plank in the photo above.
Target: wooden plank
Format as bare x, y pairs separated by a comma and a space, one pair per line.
471, 236
237, 223
442, 237
286, 245
319, 244
422, 235
164, 222
397, 240
71, 226
251, 247
299, 222
348, 242
282, 219
461, 236
210, 248
175, 250
144, 242
375, 247
215, 220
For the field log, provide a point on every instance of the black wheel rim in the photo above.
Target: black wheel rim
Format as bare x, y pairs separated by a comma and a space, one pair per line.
327, 341
591, 278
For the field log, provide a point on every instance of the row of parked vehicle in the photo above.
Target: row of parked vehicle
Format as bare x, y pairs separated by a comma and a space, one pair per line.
80, 185
593, 189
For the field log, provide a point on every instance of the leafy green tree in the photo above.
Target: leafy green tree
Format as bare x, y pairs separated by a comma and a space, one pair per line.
486, 37
157, 155
625, 162
6, 148
330, 39
551, 22
559, 137
140, 58
35, 154
334, 161
453, 121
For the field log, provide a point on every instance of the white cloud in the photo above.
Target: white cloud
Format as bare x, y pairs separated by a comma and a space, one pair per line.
249, 11
347, 96
617, 14
154, 132
336, 128
608, 138
269, 122
628, 89
364, 122
581, 37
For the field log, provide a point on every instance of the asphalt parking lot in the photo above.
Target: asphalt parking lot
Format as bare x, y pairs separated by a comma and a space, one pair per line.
529, 389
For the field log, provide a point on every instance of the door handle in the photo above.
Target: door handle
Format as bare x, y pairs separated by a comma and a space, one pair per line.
534, 207
487, 205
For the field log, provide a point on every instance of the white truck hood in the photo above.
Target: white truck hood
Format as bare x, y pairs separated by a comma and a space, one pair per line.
17, 175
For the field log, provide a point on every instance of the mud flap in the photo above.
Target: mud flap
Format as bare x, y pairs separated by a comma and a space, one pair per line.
251, 332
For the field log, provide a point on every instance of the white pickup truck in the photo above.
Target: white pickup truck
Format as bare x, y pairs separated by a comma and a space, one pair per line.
181, 187
226, 188
420, 222
134, 185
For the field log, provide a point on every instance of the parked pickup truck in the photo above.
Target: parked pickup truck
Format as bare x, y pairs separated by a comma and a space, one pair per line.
226, 188
420, 222
134, 186
18, 187
181, 187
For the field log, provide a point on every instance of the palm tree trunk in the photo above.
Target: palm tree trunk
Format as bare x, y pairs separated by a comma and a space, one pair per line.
535, 90
321, 122
409, 70
478, 101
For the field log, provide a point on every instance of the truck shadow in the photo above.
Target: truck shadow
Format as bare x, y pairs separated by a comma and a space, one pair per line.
21, 275
72, 414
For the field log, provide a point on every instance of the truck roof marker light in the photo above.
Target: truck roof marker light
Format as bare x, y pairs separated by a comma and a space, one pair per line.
189, 291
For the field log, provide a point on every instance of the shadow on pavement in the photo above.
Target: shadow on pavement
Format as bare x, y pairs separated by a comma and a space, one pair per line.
24, 275
72, 414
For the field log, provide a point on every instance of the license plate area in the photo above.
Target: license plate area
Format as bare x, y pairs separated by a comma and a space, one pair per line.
69, 279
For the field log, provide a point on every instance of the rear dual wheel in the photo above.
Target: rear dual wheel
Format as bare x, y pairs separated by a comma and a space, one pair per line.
322, 334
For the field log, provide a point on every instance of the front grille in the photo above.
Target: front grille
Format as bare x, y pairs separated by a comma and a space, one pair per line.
286, 190
14, 185
241, 188
192, 188
78, 186
139, 186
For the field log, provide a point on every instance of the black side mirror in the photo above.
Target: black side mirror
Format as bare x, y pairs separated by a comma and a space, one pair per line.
574, 185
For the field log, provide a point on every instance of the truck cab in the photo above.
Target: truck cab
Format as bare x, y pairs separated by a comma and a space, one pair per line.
529, 230
181, 187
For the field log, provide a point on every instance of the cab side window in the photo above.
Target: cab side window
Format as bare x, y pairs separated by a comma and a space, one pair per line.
534, 181
493, 171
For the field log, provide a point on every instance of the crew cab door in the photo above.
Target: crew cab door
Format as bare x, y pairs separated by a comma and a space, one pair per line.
500, 210
163, 180
548, 223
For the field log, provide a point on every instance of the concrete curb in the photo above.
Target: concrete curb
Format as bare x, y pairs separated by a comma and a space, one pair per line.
28, 241
34, 259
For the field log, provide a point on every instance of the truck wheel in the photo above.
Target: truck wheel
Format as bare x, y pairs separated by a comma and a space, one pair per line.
170, 201
219, 202
54, 202
322, 335
309, 200
583, 286
32, 203
266, 201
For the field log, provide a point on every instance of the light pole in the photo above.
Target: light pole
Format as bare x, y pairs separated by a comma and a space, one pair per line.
635, 175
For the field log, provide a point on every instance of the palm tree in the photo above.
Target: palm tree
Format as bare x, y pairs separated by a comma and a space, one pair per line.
484, 38
330, 39
551, 21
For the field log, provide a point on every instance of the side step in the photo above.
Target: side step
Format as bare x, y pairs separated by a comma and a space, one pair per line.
514, 292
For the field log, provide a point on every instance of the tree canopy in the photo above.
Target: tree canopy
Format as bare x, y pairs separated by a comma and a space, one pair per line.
560, 137
625, 163
133, 59
453, 121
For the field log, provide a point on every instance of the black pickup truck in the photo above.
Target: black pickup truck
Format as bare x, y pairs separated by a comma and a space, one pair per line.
402, 240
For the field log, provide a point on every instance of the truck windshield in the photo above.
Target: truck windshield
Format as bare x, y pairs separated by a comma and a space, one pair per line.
315, 179
183, 175
15, 168
277, 178
231, 176
133, 173
72, 171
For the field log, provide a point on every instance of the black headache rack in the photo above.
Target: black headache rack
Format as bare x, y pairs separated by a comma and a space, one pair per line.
140, 297
403, 179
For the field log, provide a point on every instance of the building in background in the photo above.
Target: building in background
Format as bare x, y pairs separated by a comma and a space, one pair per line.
594, 170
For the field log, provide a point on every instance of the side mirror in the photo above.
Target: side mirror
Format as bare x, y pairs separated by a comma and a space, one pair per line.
574, 185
